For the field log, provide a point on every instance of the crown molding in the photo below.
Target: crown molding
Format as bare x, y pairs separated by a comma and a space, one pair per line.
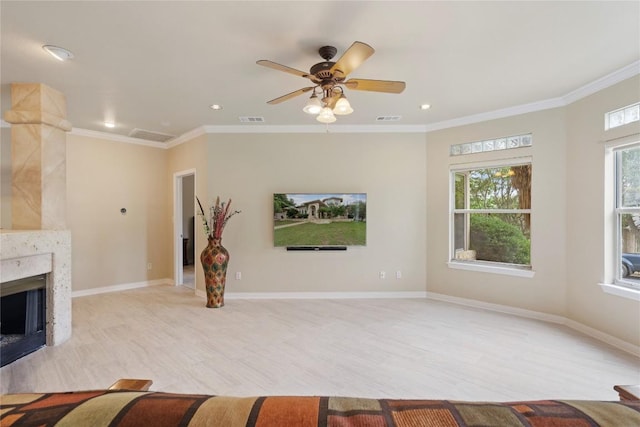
602, 83
187, 136
497, 114
113, 137
317, 129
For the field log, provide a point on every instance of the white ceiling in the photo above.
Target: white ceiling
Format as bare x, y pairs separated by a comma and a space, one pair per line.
159, 65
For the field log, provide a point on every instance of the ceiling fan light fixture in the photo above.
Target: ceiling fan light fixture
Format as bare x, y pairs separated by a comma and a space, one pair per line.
314, 106
60, 53
326, 116
343, 107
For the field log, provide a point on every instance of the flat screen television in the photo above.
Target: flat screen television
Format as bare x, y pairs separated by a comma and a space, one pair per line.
319, 220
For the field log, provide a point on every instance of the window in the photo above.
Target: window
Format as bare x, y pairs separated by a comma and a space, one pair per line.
491, 215
622, 116
627, 211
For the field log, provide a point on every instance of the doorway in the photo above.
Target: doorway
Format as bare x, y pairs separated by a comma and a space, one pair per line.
184, 228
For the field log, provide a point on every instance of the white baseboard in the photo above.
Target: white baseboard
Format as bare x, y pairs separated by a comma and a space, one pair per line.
586, 330
606, 338
498, 308
121, 287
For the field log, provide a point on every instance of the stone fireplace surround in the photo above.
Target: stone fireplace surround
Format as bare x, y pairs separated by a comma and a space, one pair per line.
32, 252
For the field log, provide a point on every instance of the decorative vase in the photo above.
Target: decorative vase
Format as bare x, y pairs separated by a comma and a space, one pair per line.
214, 260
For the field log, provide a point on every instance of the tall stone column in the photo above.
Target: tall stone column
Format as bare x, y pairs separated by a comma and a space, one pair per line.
38, 157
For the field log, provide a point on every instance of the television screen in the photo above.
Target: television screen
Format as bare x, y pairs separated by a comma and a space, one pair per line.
319, 219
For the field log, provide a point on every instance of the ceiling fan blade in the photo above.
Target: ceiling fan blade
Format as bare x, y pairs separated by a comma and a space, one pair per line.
290, 95
351, 59
387, 86
280, 67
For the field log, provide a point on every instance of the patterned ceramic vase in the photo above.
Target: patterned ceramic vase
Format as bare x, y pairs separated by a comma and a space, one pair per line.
214, 260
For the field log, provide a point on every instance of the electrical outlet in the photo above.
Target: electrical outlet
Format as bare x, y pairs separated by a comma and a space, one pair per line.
398, 274
238, 275
149, 266
383, 275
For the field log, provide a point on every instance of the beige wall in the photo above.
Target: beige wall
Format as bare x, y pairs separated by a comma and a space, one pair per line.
568, 214
110, 248
586, 214
546, 291
184, 157
5, 177
390, 168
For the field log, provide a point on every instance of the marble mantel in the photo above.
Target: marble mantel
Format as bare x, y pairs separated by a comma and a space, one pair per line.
32, 252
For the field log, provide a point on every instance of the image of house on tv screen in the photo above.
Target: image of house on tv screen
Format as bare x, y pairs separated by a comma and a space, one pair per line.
319, 219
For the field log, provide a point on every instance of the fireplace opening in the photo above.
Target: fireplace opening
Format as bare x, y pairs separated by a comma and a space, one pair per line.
22, 317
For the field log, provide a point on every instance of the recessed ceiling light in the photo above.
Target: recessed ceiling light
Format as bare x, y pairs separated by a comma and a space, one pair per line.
60, 53
425, 106
216, 107
109, 124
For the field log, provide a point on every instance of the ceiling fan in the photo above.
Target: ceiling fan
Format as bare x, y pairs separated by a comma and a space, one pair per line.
329, 78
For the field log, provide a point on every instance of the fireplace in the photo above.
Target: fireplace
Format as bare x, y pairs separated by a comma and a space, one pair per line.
22, 317
30, 253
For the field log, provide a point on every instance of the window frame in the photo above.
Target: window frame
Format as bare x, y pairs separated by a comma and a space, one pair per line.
618, 211
480, 265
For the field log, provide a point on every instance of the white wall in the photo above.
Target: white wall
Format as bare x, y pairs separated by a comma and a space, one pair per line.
390, 168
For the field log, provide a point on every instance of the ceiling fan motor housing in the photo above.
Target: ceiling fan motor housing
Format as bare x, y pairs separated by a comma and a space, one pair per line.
322, 70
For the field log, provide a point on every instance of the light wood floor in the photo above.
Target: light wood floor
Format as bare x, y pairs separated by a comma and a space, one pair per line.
369, 348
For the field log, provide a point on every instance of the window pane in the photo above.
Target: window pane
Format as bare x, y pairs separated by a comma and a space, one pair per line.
616, 118
630, 177
507, 187
632, 114
498, 237
630, 246
460, 195
460, 231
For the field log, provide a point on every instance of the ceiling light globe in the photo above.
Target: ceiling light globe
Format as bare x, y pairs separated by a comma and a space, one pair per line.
314, 106
326, 116
60, 53
342, 107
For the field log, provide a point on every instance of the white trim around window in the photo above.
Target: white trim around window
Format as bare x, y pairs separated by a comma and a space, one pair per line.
472, 264
491, 268
613, 283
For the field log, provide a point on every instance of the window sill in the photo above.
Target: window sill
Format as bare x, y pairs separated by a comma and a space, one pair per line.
621, 291
491, 269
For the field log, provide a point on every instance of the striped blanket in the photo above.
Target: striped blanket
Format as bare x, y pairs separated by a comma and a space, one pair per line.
135, 408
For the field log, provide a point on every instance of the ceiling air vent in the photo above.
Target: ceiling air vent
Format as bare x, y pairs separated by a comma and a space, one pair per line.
388, 118
249, 119
150, 135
